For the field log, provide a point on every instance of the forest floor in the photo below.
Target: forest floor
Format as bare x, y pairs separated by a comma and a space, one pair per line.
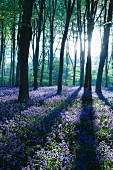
72, 131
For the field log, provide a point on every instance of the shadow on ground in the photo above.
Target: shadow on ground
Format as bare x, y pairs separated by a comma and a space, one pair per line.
105, 100
87, 158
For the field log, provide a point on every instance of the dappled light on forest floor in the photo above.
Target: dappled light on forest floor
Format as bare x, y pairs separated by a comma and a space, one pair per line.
72, 131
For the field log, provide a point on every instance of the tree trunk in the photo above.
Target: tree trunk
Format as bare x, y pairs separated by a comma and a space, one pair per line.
75, 53
36, 56
52, 8
43, 59
17, 71
51, 53
74, 67
10, 79
25, 37
112, 65
104, 48
2, 40
3, 66
18, 58
106, 72
91, 12
67, 63
87, 83
80, 38
35, 62
13, 62
68, 17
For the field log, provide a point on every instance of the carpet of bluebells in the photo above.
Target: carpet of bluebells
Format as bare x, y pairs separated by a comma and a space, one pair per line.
70, 131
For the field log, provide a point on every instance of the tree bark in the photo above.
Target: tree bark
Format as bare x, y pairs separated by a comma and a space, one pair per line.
68, 17
18, 58
2, 41
91, 8
25, 37
52, 16
104, 48
43, 47
80, 38
51, 53
36, 56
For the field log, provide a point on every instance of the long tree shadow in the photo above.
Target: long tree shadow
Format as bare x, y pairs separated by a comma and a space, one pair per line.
50, 120
86, 152
104, 99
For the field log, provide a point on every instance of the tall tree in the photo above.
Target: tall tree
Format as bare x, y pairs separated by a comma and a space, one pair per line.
75, 40
18, 38
43, 48
2, 33
79, 23
69, 10
39, 29
52, 10
67, 63
104, 45
25, 37
14, 44
91, 7
75, 58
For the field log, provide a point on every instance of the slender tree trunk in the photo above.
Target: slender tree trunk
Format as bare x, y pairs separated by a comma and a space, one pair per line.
52, 8
17, 71
106, 72
2, 40
13, 62
91, 12
75, 58
67, 63
10, 79
87, 83
18, 58
68, 17
33, 44
112, 65
80, 38
2, 76
36, 56
25, 37
104, 48
51, 53
75, 40
43, 59
62, 57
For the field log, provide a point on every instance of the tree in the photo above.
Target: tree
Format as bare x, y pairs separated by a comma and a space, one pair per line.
36, 56
91, 8
2, 34
67, 63
25, 37
52, 10
79, 23
69, 9
43, 48
13, 47
104, 46
18, 38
